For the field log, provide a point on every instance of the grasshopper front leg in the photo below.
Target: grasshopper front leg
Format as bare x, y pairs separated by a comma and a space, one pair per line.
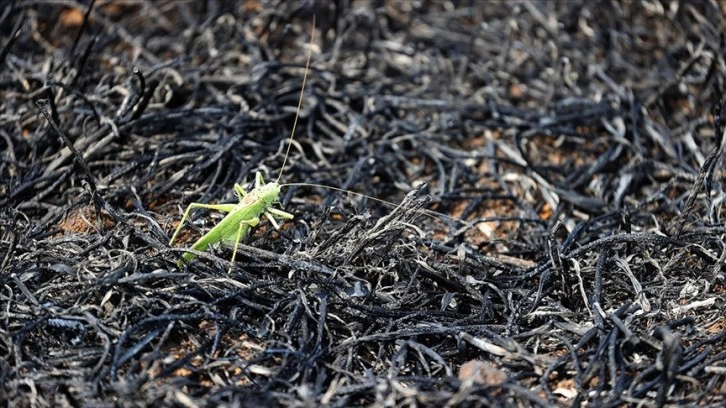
271, 213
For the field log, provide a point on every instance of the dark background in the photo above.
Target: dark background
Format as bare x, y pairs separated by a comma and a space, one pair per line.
571, 251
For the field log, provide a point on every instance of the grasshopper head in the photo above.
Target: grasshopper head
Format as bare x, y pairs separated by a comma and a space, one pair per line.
269, 193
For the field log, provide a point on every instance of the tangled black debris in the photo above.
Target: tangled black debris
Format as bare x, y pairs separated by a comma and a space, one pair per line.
525, 207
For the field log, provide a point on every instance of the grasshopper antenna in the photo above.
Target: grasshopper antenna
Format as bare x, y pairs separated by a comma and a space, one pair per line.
428, 213
299, 103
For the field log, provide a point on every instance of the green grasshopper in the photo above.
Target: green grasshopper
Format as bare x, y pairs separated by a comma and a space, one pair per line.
251, 206
240, 217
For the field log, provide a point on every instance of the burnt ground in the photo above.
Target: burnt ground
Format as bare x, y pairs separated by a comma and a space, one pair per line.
567, 248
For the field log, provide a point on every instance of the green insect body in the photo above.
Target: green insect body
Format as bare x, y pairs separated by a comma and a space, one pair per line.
241, 216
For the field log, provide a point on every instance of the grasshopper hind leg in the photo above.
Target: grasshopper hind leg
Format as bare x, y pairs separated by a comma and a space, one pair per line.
217, 207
